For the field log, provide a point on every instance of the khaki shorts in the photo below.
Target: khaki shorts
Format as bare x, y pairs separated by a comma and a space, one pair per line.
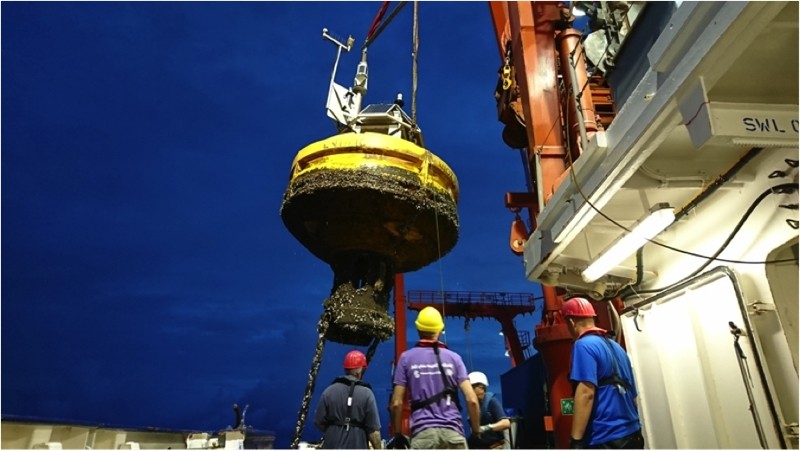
438, 438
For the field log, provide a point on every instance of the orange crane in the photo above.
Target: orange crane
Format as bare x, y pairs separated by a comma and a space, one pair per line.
536, 42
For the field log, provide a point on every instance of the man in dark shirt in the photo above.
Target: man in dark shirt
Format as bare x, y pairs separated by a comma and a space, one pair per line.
347, 412
493, 418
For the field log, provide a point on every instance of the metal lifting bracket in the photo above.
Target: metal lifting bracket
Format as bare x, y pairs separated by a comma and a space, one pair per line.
759, 307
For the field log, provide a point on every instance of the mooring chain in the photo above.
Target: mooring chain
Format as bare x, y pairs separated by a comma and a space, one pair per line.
322, 327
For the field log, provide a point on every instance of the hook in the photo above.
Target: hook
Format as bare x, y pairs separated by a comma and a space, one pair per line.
636, 319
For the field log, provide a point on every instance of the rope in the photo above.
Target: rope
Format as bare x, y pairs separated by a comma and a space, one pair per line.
414, 55
469, 345
441, 270
414, 73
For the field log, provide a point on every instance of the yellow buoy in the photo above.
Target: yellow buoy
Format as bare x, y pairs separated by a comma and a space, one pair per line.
370, 205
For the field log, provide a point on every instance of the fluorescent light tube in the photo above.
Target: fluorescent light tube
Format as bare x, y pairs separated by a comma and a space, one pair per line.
660, 217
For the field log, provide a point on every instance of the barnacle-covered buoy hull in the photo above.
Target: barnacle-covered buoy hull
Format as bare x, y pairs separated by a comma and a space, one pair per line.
370, 205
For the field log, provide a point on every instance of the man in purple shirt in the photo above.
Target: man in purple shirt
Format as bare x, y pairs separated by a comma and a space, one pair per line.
431, 373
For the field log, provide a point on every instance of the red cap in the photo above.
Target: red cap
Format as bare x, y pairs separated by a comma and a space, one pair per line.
355, 359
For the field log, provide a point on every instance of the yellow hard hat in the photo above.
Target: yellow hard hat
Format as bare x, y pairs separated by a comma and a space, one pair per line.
429, 320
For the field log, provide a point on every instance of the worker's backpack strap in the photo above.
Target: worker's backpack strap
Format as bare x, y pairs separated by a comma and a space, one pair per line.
449, 391
348, 421
615, 378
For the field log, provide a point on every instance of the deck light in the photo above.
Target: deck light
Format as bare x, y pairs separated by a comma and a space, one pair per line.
659, 218
580, 9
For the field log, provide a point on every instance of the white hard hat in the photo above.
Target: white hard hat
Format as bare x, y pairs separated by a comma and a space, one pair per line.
476, 377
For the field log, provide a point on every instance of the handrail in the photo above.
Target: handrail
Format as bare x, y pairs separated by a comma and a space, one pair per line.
477, 297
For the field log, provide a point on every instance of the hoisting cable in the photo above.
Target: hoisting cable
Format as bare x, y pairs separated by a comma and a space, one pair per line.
441, 271
414, 74
375, 33
414, 56
377, 20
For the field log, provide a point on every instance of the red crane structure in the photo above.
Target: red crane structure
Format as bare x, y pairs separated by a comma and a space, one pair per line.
502, 306
481, 304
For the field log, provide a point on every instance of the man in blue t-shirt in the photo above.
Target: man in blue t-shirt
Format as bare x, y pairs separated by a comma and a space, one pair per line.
605, 414
431, 374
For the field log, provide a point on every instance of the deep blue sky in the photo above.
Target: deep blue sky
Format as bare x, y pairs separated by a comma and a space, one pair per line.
147, 278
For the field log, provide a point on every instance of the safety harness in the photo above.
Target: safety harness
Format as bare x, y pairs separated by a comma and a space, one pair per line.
615, 378
449, 391
348, 421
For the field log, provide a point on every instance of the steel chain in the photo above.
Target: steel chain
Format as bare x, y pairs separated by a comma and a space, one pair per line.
322, 327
